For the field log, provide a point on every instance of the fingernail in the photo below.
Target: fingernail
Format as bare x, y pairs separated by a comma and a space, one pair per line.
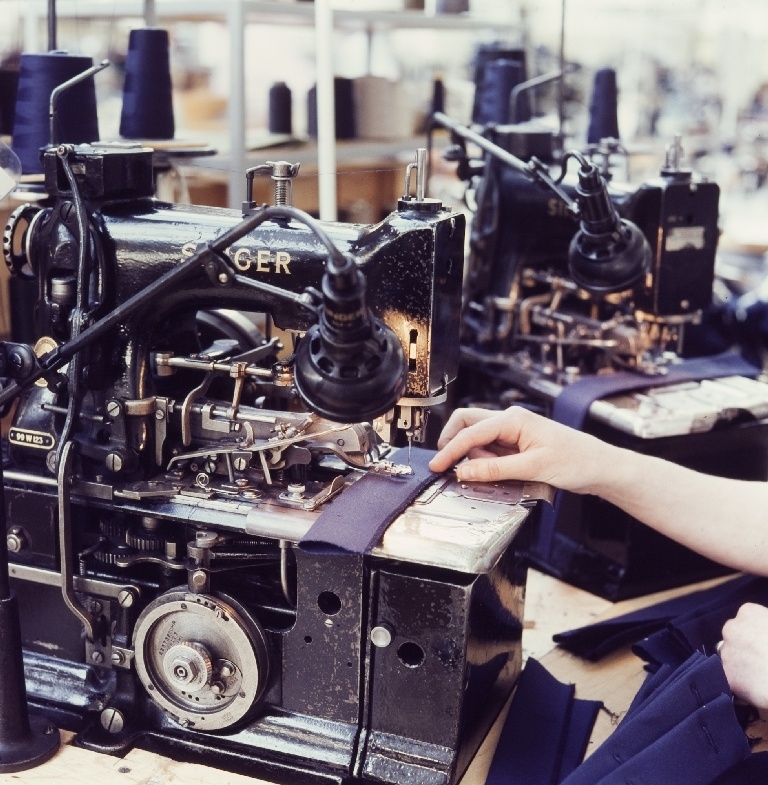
464, 473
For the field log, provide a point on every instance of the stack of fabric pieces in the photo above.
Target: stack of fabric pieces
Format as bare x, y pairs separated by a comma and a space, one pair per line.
683, 726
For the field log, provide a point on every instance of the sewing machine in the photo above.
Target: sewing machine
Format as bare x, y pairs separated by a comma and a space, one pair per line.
169, 458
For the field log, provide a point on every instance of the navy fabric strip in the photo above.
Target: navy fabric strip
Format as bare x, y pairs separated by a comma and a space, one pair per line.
700, 627
695, 752
692, 686
582, 721
597, 640
356, 519
571, 407
653, 681
539, 738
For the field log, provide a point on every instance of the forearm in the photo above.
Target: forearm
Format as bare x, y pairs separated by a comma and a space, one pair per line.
724, 519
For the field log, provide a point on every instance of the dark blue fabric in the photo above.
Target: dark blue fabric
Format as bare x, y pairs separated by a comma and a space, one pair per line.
543, 737
571, 408
699, 628
355, 520
687, 690
572, 405
696, 751
653, 681
750, 771
594, 641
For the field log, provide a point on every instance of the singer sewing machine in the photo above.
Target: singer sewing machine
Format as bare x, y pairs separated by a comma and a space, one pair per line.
166, 465
581, 289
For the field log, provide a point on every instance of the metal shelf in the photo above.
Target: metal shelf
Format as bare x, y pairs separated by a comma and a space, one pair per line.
297, 12
237, 14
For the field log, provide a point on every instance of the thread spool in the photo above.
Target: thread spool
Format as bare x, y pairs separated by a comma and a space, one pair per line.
76, 117
9, 81
603, 107
499, 79
485, 55
344, 101
280, 109
147, 111
381, 109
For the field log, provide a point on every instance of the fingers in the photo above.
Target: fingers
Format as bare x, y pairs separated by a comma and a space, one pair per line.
460, 419
467, 431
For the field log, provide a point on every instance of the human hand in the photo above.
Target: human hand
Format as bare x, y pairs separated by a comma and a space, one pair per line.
744, 653
518, 444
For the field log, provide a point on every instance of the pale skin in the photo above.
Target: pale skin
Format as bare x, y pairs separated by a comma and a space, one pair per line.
724, 519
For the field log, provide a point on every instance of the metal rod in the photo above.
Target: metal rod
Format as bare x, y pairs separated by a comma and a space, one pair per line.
561, 83
150, 13
63, 87
5, 583
326, 111
51, 25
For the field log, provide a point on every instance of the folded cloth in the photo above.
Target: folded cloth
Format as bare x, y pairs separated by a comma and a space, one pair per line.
545, 733
697, 683
701, 626
597, 640
696, 751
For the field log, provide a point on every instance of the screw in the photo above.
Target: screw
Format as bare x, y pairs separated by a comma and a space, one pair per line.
199, 579
118, 658
113, 408
114, 462
241, 464
125, 598
16, 540
97, 657
112, 720
159, 414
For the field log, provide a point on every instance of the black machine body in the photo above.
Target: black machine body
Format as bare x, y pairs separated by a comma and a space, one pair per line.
522, 301
536, 334
159, 484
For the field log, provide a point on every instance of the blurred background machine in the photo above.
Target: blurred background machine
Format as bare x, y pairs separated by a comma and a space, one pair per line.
590, 300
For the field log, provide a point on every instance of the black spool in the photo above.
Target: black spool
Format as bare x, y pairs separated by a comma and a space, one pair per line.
500, 77
280, 109
76, 117
147, 111
344, 100
485, 55
603, 107
9, 82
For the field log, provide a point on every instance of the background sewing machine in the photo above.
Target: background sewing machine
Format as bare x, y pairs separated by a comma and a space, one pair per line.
562, 316
165, 474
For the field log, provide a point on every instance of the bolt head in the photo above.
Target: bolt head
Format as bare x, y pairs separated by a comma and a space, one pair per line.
112, 720
199, 579
125, 598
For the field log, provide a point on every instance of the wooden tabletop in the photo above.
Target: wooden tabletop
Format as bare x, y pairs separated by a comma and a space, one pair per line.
551, 606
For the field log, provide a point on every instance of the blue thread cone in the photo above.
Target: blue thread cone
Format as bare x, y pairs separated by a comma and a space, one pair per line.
147, 111
500, 77
280, 109
603, 107
76, 116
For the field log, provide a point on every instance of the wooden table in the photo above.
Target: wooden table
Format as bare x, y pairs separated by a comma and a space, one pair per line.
551, 606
